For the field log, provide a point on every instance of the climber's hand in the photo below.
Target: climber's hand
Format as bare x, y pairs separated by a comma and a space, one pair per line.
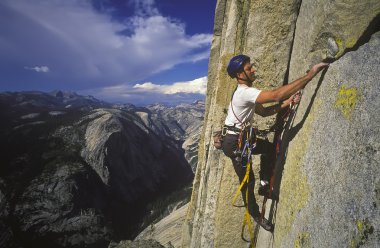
316, 68
296, 98
293, 100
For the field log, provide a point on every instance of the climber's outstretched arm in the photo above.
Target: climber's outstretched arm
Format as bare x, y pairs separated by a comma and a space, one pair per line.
287, 90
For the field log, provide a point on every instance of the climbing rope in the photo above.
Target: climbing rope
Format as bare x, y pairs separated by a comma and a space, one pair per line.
246, 152
285, 118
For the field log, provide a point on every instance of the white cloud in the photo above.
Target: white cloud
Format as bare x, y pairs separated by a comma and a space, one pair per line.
149, 92
197, 86
38, 68
145, 7
147, 86
87, 48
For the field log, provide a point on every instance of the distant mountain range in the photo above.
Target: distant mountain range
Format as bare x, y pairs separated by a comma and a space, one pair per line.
79, 172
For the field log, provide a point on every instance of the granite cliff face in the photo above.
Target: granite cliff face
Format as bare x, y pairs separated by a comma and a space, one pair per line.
183, 122
78, 172
326, 177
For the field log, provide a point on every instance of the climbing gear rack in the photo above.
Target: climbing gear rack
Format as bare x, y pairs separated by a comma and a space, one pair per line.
246, 153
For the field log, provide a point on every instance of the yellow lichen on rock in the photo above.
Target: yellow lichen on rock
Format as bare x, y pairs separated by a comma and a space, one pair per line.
346, 100
344, 44
364, 230
303, 240
341, 47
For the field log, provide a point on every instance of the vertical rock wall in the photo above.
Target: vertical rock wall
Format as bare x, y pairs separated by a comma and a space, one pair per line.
329, 192
240, 27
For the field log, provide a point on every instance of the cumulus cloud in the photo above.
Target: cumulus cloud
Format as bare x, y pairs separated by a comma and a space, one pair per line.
88, 49
197, 86
149, 92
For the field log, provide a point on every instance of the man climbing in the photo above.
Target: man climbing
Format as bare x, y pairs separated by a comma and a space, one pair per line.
246, 101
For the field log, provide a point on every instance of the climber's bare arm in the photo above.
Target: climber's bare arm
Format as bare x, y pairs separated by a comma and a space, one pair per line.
286, 91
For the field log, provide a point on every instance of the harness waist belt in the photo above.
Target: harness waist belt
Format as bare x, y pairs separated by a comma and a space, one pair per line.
232, 132
232, 128
235, 129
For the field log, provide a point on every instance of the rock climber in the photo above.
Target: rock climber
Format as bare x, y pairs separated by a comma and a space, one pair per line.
246, 101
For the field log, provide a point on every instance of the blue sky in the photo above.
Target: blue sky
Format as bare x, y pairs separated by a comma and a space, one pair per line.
136, 51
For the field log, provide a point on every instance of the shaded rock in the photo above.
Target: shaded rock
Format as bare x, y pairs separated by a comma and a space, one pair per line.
62, 206
59, 94
130, 157
136, 244
6, 234
191, 145
82, 178
168, 230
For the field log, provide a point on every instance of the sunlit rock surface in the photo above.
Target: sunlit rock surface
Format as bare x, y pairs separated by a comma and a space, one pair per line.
326, 177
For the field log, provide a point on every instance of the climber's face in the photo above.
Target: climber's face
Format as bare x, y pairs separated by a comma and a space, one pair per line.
248, 73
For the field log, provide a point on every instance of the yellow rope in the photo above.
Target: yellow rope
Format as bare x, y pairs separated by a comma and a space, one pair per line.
242, 182
248, 166
247, 216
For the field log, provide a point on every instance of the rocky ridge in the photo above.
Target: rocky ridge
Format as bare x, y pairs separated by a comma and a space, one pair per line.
80, 172
184, 122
